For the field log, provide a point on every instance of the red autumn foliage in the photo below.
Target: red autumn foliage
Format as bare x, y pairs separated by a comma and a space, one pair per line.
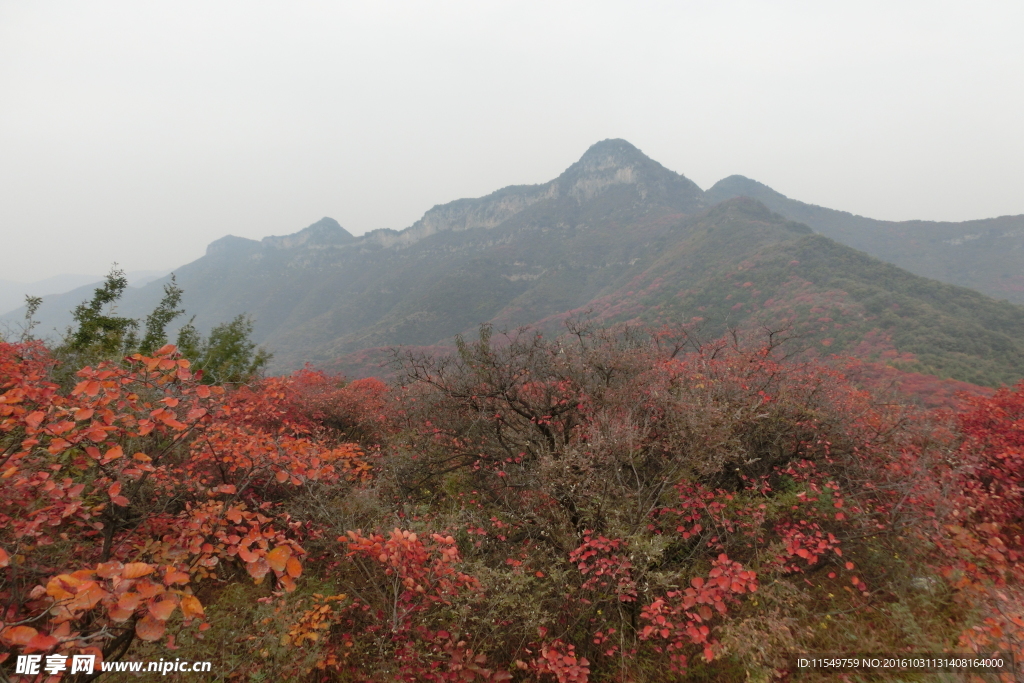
598, 508
124, 495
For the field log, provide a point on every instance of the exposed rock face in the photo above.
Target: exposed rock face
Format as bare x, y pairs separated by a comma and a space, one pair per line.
616, 162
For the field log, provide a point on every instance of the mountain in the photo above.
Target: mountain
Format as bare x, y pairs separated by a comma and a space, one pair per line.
616, 236
986, 255
12, 294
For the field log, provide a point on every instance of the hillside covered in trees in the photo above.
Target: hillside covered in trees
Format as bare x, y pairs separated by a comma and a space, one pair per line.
612, 504
618, 433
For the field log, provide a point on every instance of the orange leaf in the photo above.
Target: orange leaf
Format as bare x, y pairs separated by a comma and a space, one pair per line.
118, 614
41, 642
18, 635
162, 610
5, 559
294, 567
129, 601
106, 570
33, 420
247, 555
88, 597
134, 570
113, 454
149, 628
278, 558
258, 570
281, 476
191, 607
175, 577
148, 589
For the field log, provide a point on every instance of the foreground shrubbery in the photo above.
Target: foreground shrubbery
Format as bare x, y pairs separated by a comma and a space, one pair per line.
601, 507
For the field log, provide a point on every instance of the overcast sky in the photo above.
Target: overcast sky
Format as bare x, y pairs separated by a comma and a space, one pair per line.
141, 131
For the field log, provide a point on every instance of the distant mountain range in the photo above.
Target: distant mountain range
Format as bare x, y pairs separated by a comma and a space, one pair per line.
623, 238
12, 294
986, 255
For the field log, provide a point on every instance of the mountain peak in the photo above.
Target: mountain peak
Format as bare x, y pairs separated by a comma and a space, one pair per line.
324, 232
231, 245
740, 186
616, 162
613, 150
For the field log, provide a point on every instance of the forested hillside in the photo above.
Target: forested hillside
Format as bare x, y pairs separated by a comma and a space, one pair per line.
614, 505
626, 436
986, 255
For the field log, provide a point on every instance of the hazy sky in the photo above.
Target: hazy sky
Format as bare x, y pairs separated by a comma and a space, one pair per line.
141, 131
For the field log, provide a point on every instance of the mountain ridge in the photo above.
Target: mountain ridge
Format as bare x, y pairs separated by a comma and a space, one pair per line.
597, 236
